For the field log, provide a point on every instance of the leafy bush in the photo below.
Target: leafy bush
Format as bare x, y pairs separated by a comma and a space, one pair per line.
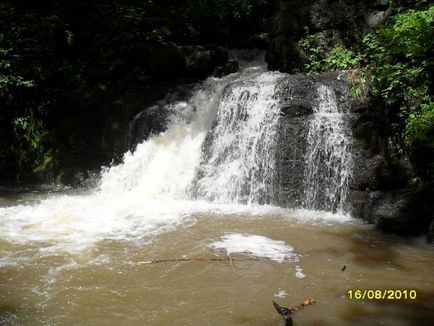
315, 51
401, 64
420, 126
29, 146
341, 58
321, 57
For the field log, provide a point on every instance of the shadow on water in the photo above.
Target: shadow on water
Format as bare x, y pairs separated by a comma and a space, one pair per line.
373, 249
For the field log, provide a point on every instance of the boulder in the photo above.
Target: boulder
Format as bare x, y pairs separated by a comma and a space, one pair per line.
404, 211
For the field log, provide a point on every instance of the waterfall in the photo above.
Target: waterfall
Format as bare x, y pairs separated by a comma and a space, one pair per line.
221, 150
164, 165
239, 158
221, 146
328, 155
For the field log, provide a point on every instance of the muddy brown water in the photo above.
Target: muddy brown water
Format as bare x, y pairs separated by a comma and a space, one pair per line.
109, 283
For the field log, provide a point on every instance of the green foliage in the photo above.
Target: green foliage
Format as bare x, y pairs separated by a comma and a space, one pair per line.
322, 58
359, 84
409, 34
9, 79
420, 126
315, 52
29, 146
341, 58
400, 61
419, 137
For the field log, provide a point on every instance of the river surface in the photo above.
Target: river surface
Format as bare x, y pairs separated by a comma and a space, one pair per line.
110, 281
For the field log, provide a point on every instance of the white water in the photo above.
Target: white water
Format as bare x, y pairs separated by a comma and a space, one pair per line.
240, 158
149, 192
328, 161
257, 246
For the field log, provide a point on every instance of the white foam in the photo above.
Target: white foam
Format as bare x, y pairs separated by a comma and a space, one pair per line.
281, 294
257, 246
310, 215
299, 272
73, 223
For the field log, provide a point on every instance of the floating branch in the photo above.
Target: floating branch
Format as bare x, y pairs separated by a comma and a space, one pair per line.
229, 259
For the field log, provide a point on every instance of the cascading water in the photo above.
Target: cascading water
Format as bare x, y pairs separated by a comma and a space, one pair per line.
219, 151
239, 155
328, 155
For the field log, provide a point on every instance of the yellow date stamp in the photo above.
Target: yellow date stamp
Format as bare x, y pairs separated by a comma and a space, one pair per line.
369, 294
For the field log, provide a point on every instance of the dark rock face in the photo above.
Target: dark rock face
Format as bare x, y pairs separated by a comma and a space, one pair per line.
379, 191
403, 211
153, 119
335, 19
228, 68
297, 96
200, 61
290, 162
285, 55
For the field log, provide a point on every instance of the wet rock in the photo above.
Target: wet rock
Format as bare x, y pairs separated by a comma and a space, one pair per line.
373, 172
153, 118
285, 55
258, 41
298, 95
297, 109
76, 177
379, 3
332, 15
403, 212
228, 68
364, 166
200, 61
150, 121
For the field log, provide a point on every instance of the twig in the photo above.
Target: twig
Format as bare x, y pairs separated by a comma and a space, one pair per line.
287, 313
179, 260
